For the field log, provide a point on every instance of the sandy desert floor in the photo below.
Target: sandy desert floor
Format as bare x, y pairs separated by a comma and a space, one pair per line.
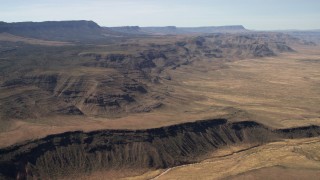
288, 159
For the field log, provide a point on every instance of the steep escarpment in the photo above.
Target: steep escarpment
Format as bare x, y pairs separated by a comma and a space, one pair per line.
73, 152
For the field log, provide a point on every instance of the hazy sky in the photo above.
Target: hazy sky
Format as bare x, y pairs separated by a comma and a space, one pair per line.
253, 14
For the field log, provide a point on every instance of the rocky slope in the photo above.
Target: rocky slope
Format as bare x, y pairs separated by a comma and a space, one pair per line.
73, 152
100, 81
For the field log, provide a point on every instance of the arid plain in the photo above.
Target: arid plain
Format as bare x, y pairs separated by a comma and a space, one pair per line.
128, 106
280, 91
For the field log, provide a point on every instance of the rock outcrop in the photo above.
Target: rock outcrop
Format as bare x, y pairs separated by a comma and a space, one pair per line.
72, 152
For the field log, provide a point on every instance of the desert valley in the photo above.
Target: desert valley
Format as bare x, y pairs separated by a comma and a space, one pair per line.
83, 101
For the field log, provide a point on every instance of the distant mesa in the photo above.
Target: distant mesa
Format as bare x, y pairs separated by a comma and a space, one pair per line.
179, 30
55, 30
127, 29
215, 29
84, 31
48, 24
90, 31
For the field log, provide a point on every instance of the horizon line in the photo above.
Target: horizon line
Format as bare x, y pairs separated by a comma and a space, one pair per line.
155, 26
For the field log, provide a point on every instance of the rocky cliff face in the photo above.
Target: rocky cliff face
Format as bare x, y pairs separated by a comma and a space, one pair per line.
73, 152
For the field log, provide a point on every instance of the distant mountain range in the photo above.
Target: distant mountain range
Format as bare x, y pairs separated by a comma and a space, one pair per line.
178, 30
89, 31
308, 35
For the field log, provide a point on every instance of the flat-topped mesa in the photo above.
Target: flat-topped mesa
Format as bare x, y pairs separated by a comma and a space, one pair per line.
47, 25
173, 30
127, 29
56, 30
69, 153
216, 29
165, 30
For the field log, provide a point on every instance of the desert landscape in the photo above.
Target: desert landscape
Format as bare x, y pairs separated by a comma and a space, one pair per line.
79, 100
